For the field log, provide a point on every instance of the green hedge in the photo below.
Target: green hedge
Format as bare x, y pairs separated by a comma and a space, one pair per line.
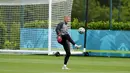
9, 38
102, 25
36, 24
75, 24
2, 34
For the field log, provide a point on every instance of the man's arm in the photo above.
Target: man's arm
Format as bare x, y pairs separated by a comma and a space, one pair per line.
58, 28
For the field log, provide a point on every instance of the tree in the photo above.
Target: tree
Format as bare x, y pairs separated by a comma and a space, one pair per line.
78, 10
95, 11
125, 10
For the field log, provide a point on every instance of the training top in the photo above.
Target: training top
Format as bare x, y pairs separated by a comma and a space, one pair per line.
62, 28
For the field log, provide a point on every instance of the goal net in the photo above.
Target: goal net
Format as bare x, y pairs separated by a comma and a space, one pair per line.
29, 25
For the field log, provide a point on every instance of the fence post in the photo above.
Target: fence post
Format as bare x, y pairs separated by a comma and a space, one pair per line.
86, 23
110, 20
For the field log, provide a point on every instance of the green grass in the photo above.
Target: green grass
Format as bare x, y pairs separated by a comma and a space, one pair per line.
52, 64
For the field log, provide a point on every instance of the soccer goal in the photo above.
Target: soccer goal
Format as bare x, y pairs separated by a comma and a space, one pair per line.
29, 25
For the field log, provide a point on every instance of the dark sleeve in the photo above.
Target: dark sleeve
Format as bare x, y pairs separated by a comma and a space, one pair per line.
58, 28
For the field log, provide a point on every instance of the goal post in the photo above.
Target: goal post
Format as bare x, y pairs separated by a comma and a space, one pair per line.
49, 33
31, 24
57, 10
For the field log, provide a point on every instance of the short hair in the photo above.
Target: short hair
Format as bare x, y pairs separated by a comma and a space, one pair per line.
66, 16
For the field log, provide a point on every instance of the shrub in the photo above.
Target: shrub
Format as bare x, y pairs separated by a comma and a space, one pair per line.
102, 25
36, 24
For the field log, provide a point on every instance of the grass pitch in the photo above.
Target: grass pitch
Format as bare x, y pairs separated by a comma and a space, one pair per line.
52, 64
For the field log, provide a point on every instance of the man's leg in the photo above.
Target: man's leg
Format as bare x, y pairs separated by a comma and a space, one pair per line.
67, 36
67, 50
69, 39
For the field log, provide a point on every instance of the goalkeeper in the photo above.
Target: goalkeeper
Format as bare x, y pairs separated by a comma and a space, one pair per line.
64, 39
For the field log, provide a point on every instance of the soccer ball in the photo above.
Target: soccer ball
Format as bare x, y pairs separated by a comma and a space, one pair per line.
81, 30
